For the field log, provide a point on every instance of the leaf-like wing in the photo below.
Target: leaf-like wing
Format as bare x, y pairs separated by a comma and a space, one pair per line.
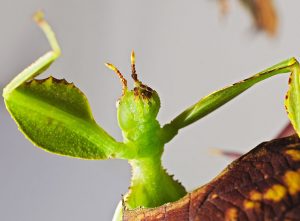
292, 101
213, 101
55, 115
264, 184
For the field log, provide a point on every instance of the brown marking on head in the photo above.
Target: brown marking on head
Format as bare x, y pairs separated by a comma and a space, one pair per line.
143, 86
142, 93
136, 92
141, 90
146, 94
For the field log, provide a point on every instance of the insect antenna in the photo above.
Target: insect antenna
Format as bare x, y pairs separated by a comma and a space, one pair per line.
123, 80
133, 70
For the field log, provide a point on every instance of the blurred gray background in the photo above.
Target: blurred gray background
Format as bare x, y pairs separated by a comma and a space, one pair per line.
184, 50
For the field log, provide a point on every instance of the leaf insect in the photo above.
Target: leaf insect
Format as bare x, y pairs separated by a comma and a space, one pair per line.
55, 116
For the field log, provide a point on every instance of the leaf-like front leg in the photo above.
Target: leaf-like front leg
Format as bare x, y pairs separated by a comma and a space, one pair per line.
215, 100
39, 65
54, 114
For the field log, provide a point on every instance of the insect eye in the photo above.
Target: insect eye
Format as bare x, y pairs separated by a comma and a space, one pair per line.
118, 103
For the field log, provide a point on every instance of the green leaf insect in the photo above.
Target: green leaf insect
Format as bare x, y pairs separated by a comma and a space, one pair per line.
55, 116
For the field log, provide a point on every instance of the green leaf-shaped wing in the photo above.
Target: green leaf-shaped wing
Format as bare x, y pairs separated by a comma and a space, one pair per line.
55, 115
292, 101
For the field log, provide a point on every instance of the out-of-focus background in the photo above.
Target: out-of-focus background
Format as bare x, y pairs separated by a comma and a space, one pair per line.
184, 49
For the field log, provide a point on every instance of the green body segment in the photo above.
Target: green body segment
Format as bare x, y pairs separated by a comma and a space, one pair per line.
151, 185
140, 128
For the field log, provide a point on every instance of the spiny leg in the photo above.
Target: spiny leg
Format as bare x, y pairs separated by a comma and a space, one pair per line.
215, 100
40, 20
41, 64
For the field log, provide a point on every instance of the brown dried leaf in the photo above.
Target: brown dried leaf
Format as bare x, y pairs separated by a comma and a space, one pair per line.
263, 184
264, 14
